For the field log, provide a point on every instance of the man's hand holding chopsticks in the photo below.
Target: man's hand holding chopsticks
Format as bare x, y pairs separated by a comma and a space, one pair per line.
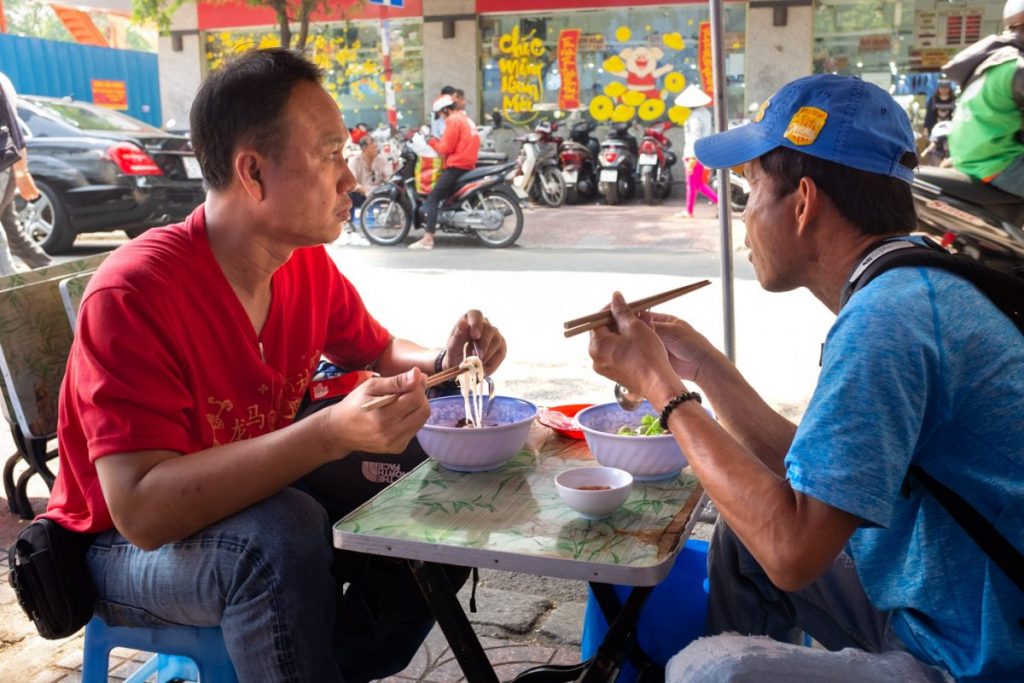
483, 339
631, 353
388, 429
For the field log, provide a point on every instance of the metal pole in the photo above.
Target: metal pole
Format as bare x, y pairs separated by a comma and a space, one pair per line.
389, 88
724, 188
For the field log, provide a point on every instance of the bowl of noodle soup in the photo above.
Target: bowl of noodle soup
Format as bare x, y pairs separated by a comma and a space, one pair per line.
476, 449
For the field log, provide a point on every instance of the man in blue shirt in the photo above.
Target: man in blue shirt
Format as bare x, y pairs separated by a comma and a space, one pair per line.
823, 531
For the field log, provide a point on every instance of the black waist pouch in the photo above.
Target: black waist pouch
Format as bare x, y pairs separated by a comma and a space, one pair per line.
50, 578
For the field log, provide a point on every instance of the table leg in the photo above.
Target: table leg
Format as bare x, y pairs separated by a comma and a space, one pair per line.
452, 619
620, 640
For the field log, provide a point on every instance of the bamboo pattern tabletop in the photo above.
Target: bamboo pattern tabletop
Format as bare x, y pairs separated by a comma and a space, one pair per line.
512, 519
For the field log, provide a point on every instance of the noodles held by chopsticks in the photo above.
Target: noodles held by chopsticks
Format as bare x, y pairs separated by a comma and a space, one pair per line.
471, 383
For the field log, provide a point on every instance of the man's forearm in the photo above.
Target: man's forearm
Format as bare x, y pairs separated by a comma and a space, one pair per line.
745, 415
180, 495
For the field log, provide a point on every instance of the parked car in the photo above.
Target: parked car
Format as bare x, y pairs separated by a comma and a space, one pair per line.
100, 170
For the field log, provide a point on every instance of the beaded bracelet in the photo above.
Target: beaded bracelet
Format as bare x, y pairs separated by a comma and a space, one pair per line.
439, 361
674, 403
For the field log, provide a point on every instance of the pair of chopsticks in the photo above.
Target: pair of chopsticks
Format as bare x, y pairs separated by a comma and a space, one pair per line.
432, 380
604, 318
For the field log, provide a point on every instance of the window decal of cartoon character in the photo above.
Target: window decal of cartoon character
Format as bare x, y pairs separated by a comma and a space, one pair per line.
642, 71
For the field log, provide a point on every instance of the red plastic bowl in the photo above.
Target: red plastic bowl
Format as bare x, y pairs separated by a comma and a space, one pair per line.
569, 411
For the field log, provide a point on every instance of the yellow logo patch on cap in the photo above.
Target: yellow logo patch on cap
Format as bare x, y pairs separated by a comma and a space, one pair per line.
805, 125
760, 110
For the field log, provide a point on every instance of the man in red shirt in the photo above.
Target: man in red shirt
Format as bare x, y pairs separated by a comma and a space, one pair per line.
459, 147
195, 345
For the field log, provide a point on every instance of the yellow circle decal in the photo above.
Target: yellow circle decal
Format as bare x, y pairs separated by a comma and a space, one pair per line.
675, 82
614, 89
623, 113
601, 108
634, 98
622, 34
614, 64
678, 115
651, 109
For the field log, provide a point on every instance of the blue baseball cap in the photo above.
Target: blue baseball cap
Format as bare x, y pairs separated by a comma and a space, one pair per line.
836, 118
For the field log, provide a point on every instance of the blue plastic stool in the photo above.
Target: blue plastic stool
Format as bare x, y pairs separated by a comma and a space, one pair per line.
672, 617
187, 653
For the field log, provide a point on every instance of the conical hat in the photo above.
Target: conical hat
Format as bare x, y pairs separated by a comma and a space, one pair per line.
692, 97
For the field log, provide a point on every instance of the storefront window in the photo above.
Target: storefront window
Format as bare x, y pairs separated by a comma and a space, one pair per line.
899, 45
349, 53
612, 65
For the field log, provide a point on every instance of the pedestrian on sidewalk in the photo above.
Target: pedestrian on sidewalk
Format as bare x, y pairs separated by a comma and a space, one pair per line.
833, 528
17, 179
194, 350
697, 126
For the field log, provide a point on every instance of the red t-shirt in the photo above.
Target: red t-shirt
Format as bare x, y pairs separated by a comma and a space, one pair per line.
165, 357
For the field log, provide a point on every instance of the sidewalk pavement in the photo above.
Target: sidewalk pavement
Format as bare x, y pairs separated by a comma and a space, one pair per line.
522, 620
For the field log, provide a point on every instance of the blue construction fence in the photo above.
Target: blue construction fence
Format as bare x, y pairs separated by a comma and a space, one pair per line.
57, 69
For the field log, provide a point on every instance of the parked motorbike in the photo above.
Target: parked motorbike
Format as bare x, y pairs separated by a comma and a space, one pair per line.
971, 217
655, 161
739, 189
617, 164
488, 156
482, 204
539, 175
578, 158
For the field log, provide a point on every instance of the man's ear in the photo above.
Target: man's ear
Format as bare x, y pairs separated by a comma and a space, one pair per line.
808, 205
247, 170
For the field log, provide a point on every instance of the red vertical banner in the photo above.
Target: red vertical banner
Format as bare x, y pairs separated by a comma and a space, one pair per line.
568, 48
707, 79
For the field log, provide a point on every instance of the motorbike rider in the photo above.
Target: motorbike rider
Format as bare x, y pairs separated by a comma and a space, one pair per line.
459, 146
437, 124
985, 142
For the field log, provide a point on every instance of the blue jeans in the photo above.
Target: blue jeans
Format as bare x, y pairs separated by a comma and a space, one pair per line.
268, 576
744, 604
1011, 179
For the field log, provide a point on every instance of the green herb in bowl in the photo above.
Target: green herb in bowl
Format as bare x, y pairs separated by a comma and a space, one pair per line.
649, 426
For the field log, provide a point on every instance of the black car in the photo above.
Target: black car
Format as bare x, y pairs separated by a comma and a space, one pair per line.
99, 170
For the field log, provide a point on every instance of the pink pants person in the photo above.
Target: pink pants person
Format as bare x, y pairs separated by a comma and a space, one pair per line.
695, 183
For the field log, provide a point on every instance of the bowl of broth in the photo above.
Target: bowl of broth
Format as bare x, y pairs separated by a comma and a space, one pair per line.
594, 492
447, 438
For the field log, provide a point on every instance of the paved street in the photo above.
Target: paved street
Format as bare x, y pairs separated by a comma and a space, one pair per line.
566, 264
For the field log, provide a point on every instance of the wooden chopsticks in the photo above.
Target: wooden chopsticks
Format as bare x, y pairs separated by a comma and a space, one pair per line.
433, 380
603, 318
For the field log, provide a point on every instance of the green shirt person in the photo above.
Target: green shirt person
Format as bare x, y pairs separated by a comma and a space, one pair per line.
985, 142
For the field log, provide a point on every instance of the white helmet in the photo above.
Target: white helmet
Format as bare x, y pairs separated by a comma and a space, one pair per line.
1012, 8
442, 102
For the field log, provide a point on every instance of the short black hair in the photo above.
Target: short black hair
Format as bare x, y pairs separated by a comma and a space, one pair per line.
877, 204
448, 90
459, 92
244, 103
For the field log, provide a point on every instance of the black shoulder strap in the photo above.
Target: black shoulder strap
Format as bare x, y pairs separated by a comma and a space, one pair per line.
995, 545
1007, 293
1004, 290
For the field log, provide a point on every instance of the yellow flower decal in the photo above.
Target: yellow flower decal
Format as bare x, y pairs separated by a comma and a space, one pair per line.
651, 109
601, 108
614, 64
623, 113
675, 82
674, 41
614, 89
634, 98
678, 115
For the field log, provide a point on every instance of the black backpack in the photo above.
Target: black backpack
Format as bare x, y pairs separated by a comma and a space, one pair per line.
1007, 293
11, 139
